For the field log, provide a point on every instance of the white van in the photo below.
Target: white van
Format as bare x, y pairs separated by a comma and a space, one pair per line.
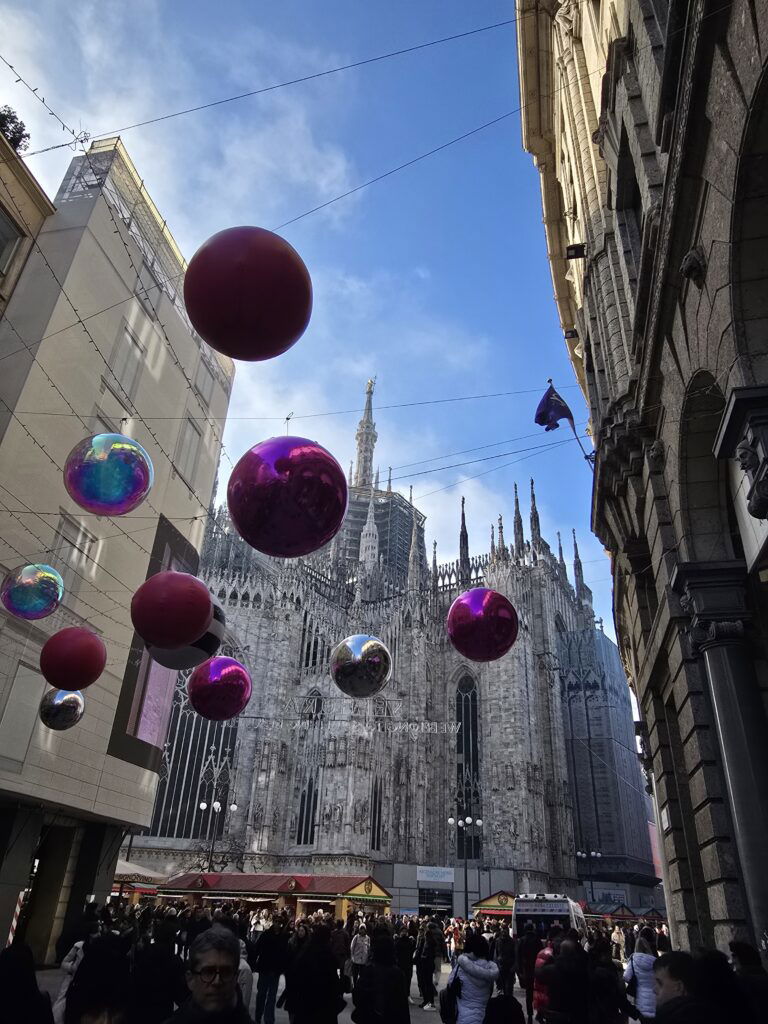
545, 909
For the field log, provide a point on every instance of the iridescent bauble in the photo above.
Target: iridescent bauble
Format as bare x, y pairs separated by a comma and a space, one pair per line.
61, 709
195, 653
482, 624
361, 665
32, 591
248, 293
108, 474
287, 496
73, 658
219, 689
171, 609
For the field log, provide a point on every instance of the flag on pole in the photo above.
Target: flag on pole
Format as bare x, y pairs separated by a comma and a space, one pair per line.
551, 409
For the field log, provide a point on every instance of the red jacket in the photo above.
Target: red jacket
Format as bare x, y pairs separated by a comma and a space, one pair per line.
540, 991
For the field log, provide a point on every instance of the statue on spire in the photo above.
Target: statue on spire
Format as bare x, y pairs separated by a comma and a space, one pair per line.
366, 438
578, 571
535, 525
518, 531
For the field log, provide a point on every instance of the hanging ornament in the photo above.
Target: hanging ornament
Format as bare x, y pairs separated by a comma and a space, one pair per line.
61, 709
219, 689
108, 474
287, 496
361, 665
73, 658
482, 624
171, 609
195, 653
248, 293
32, 591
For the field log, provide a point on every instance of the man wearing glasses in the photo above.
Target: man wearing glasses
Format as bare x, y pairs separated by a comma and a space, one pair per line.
212, 981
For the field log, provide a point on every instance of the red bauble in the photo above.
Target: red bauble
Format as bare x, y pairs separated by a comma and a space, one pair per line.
248, 293
73, 658
171, 609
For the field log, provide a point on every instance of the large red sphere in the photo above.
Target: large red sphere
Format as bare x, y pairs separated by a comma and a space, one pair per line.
482, 624
248, 293
73, 658
287, 496
171, 609
219, 689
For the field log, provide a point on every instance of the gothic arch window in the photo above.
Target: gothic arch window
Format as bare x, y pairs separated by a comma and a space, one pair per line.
468, 761
305, 833
313, 711
376, 815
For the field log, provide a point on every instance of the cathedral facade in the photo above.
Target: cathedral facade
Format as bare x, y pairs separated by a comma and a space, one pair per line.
539, 745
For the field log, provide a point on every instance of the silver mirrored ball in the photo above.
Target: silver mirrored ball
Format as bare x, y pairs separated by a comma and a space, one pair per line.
61, 709
361, 665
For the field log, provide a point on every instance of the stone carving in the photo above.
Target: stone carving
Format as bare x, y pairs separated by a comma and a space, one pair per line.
275, 819
694, 266
747, 457
258, 816
656, 453
598, 135
337, 815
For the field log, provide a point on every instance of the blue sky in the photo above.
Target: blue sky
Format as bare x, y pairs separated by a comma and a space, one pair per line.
434, 280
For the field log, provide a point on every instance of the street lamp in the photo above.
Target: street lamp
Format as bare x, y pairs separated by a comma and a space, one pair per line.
466, 823
215, 809
589, 856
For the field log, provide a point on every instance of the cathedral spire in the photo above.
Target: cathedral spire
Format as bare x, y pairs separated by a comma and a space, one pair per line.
366, 440
519, 535
493, 544
376, 482
578, 571
465, 572
535, 526
502, 545
434, 572
369, 540
560, 559
414, 561
389, 481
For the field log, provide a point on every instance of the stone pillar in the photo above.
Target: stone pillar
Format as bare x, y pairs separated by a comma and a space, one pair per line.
42, 927
715, 595
19, 835
95, 870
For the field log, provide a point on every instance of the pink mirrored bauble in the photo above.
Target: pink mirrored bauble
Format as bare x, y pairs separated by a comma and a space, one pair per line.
287, 496
248, 293
219, 689
108, 474
482, 624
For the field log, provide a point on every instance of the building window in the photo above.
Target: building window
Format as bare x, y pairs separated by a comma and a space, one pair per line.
10, 236
188, 450
73, 553
101, 423
467, 763
305, 834
376, 815
147, 290
127, 359
312, 711
204, 382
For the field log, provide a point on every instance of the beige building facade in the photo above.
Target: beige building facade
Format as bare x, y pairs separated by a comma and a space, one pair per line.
94, 338
647, 122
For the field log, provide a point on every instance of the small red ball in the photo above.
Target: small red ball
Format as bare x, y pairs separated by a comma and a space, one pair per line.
171, 609
248, 293
73, 658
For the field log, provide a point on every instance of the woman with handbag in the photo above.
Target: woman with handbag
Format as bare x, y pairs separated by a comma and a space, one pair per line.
639, 975
477, 974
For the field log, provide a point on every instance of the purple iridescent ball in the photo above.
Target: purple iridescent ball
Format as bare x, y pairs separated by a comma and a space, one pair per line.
32, 591
108, 474
287, 496
219, 689
482, 624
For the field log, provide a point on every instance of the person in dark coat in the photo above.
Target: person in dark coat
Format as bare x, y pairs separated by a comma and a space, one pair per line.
675, 979
505, 955
751, 976
214, 997
404, 948
717, 987
22, 999
159, 984
528, 948
340, 946
380, 994
271, 961
426, 951
607, 994
566, 978
102, 982
321, 991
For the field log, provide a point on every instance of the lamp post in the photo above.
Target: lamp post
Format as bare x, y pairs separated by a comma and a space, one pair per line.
466, 822
215, 811
589, 856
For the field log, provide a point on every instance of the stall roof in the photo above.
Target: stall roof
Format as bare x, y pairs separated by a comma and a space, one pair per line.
238, 882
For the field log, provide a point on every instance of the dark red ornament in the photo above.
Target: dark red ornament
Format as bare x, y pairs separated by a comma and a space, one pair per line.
171, 609
73, 658
482, 624
248, 293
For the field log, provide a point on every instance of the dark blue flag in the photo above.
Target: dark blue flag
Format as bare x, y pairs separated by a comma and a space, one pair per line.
551, 409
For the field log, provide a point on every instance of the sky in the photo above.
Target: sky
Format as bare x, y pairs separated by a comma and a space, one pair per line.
434, 281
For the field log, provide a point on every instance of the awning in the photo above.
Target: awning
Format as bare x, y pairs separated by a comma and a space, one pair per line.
359, 898
481, 911
143, 888
126, 871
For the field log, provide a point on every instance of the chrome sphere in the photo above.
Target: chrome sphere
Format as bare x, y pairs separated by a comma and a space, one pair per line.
61, 709
361, 665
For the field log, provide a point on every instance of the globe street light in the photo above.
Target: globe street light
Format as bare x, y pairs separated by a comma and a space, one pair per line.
589, 856
466, 824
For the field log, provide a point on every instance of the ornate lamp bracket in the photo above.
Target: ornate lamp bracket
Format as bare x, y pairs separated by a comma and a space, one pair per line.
743, 435
714, 595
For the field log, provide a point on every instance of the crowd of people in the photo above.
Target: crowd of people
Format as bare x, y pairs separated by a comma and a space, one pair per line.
184, 964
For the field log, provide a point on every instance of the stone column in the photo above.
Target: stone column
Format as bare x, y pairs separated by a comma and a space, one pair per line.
715, 594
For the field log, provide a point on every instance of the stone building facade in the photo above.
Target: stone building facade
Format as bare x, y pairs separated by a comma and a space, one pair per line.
648, 123
320, 783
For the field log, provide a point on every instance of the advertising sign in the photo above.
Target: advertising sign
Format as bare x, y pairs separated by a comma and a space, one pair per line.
434, 874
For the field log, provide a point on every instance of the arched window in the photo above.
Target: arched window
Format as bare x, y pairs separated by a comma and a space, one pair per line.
312, 711
468, 763
305, 833
376, 815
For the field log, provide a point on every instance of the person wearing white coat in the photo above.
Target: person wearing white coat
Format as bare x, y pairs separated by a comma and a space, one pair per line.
640, 965
477, 975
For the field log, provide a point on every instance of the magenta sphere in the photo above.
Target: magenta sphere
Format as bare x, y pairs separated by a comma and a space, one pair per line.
287, 496
482, 624
219, 689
